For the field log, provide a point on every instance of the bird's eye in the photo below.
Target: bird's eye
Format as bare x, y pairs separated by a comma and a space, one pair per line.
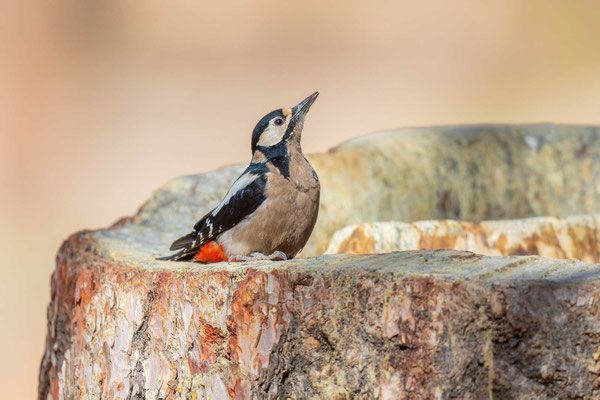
278, 121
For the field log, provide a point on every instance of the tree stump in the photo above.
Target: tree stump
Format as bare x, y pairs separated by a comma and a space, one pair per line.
417, 324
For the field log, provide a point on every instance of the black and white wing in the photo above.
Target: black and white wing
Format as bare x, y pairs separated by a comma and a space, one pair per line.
243, 198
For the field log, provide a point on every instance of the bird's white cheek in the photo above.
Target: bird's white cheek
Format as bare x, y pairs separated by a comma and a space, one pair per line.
271, 136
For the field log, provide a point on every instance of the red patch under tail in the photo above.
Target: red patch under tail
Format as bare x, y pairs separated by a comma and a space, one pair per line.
210, 252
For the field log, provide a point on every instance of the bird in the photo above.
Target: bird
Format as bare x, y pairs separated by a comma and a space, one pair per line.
270, 211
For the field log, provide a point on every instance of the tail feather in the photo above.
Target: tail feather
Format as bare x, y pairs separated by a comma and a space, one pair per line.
184, 241
209, 252
186, 245
172, 257
183, 255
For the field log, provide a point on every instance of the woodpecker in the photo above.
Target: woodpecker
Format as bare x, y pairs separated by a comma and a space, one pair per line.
271, 209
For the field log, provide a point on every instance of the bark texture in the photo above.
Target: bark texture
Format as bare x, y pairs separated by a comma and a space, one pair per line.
418, 324
425, 324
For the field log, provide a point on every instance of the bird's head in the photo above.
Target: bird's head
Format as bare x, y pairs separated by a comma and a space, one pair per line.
281, 126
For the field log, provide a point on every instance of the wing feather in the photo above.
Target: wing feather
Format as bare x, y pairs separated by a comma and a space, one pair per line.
243, 198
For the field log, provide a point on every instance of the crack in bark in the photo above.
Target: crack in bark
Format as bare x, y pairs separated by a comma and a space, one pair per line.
139, 342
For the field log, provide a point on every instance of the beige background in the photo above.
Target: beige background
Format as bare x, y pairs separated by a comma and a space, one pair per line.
103, 101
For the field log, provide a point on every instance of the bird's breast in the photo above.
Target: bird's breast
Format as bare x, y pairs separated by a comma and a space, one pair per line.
285, 219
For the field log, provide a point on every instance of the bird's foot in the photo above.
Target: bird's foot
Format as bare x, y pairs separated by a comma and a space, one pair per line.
277, 255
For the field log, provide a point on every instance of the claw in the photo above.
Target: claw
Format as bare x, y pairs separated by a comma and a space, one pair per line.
278, 254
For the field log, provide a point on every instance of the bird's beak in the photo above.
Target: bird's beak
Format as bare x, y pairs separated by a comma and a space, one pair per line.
299, 111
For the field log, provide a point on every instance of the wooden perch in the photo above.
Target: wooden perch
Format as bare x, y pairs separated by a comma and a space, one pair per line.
417, 324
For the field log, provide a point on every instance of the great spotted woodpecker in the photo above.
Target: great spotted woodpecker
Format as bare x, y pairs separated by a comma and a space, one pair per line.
271, 209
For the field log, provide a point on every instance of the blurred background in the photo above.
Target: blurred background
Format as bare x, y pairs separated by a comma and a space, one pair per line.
101, 102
